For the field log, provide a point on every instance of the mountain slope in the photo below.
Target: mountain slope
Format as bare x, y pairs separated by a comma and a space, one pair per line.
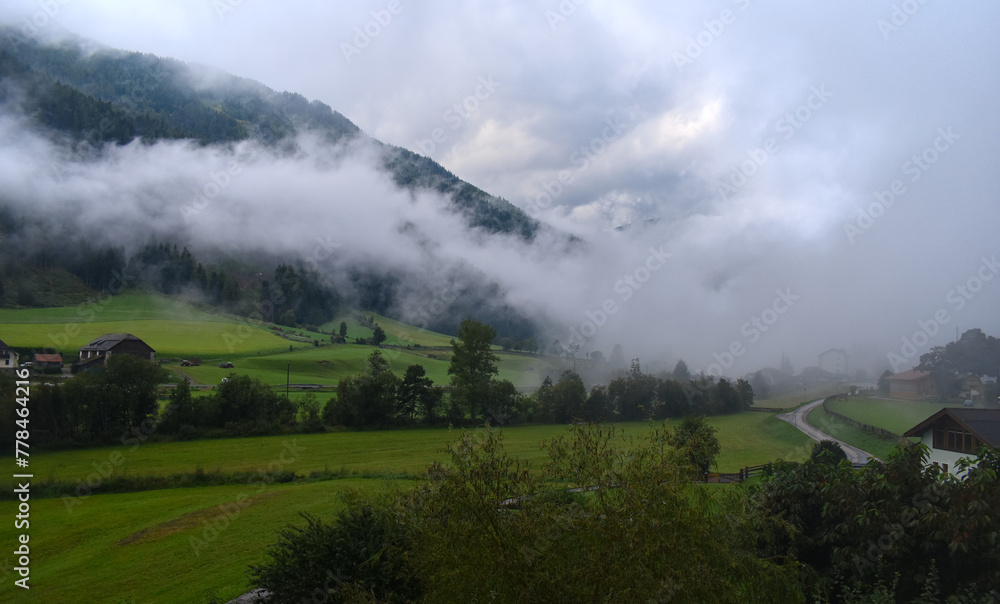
103, 95
87, 109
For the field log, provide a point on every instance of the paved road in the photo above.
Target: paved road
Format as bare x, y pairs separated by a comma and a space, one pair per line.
800, 419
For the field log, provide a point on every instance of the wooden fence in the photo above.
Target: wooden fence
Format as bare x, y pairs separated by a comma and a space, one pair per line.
743, 474
880, 432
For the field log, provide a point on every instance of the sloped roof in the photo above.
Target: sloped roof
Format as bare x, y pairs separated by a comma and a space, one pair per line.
910, 375
984, 423
48, 358
110, 340
3, 346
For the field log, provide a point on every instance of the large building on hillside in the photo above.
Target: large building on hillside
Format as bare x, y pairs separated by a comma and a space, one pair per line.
912, 385
103, 347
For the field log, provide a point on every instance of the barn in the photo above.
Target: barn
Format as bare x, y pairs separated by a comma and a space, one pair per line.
103, 347
912, 385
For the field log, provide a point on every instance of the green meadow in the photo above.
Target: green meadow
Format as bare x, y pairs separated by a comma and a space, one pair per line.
180, 331
828, 424
184, 544
895, 416
747, 439
194, 544
172, 328
790, 401
175, 545
892, 415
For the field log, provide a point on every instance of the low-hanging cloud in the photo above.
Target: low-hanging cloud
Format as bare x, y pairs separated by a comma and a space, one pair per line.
795, 164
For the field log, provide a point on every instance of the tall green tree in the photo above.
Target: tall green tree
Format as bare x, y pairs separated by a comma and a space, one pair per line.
503, 404
369, 399
745, 392
104, 403
727, 399
414, 391
633, 395
681, 372
473, 365
245, 402
698, 442
180, 409
130, 384
569, 398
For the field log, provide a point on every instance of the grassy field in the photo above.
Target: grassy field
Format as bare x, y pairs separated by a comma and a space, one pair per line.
138, 547
875, 445
397, 334
329, 364
892, 415
179, 331
895, 416
791, 401
172, 328
747, 439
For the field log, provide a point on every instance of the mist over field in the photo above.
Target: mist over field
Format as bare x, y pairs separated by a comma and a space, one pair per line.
747, 179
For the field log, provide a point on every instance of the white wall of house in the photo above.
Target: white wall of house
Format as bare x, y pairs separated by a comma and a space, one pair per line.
941, 457
8, 361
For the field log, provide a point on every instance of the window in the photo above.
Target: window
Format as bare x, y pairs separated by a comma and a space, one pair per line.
954, 438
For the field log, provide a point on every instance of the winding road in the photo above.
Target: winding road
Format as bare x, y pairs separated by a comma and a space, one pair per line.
800, 419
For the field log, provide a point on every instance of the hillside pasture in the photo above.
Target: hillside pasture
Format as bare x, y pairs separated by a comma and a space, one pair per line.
892, 415
172, 328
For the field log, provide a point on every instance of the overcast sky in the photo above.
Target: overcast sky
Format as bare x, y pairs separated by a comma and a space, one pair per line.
755, 132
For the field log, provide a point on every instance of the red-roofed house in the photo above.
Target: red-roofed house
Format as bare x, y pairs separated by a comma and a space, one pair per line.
912, 385
44, 361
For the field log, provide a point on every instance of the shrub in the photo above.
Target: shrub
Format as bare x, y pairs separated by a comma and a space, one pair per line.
363, 553
828, 451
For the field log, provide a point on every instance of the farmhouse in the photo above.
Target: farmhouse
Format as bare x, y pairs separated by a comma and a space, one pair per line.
954, 433
8, 358
103, 347
911, 385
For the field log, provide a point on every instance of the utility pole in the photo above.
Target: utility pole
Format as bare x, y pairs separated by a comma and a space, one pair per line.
288, 373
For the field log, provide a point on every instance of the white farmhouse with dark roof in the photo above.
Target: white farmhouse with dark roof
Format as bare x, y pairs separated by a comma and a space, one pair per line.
956, 433
8, 357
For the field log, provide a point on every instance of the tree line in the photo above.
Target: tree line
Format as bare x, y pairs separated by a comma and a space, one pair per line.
98, 404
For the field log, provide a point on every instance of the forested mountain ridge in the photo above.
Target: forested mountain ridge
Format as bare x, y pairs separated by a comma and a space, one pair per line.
103, 95
88, 102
